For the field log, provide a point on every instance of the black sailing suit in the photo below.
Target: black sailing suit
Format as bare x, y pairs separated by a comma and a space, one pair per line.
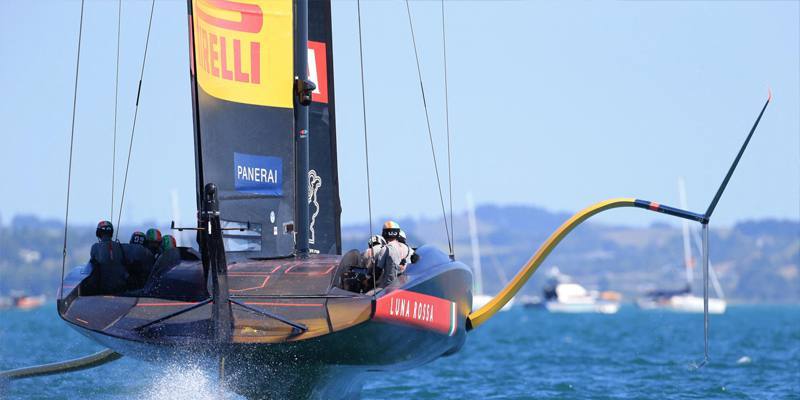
164, 263
140, 263
109, 275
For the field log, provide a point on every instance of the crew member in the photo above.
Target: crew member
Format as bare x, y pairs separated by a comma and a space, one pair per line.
108, 274
394, 256
369, 259
140, 260
402, 237
412, 257
170, 258
374, 246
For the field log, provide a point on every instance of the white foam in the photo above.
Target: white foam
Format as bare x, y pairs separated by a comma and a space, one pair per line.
744, 360
187, 382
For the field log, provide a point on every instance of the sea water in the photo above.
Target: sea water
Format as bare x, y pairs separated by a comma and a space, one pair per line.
522, 353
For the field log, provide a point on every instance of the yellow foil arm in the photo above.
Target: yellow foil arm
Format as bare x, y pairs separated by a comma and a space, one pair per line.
478, 317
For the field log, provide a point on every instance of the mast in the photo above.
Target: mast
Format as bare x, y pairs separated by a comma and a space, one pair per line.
476, 247
303, 91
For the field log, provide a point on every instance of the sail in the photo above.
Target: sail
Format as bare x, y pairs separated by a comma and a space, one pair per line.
325, 209
243, 87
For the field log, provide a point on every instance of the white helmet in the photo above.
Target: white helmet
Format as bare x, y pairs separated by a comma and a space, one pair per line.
376, 240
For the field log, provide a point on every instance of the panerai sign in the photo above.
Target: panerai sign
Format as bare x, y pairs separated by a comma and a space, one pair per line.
258, 174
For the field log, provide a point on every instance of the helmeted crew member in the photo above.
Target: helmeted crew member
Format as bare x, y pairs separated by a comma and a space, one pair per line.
394, 256
109, 275
402, 237
153, 241
413, 257
140, 260
170, 258
139, 238
370, 256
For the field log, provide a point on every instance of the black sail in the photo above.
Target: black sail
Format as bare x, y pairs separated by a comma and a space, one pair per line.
323, 177
243, 77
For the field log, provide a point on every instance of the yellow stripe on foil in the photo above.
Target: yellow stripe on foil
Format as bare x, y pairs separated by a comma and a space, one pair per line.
478, 317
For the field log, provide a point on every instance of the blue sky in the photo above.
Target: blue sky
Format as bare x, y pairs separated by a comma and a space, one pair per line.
557, 104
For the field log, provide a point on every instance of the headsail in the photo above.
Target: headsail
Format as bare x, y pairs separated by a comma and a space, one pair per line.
243, 66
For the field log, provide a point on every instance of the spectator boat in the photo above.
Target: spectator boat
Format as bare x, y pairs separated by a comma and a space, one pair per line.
562, 295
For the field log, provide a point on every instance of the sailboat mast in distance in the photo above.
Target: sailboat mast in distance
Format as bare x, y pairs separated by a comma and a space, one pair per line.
711, 272
475, 244
688, 261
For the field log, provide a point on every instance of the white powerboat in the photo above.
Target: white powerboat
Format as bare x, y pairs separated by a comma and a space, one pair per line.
563, 296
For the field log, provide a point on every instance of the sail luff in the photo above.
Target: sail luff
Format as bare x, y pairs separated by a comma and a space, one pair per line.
198, 165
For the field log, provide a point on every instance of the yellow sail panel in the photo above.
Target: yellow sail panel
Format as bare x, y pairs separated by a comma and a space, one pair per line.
244, 50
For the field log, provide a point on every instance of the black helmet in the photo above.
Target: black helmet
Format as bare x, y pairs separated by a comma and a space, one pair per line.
391, 230
104, 229
138, 238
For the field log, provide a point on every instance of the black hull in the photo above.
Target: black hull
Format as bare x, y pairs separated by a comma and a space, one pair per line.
330, 365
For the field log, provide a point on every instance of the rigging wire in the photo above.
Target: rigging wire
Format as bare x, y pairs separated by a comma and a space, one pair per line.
116, 101
430, 134
447, 125
135, 115
71, 143
366, 143
364, 114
